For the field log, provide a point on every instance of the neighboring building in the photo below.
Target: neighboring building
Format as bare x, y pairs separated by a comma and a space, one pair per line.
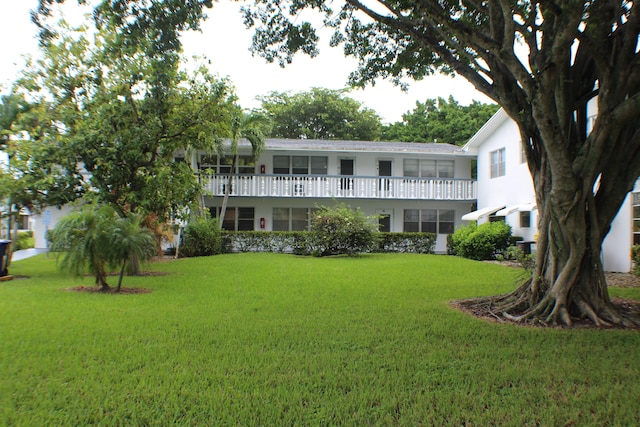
505, 191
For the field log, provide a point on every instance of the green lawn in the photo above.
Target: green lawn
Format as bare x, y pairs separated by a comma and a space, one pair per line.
266, 339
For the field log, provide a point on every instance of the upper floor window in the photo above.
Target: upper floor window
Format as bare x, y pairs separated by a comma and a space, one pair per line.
498, 164
428, 168
222, 165
525, 219
300, 165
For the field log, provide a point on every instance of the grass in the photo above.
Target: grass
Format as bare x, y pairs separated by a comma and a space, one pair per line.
266, 339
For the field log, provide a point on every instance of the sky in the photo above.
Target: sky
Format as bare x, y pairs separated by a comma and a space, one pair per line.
225, 42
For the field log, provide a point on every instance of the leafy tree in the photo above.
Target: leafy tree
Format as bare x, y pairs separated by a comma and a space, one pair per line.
122, 108
543, 62
440, 120
320, 114
248, 126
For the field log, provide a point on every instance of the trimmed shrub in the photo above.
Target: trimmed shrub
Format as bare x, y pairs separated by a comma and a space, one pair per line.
202, 237
481, 242
419, 243
342, 230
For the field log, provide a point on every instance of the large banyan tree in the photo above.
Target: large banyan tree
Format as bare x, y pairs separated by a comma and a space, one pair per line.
542, 61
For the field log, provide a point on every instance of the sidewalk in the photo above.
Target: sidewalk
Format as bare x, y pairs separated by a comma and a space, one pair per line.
27, 253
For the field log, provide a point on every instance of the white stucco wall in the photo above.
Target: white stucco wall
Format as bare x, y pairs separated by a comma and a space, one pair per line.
40, 229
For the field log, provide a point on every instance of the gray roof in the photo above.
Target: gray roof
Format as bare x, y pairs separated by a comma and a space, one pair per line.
277, 144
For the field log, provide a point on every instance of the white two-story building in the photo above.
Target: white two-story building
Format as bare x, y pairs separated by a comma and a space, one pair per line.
505, 191
411, 186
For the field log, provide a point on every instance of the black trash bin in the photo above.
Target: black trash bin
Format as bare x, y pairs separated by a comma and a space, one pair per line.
525, 247
4, 248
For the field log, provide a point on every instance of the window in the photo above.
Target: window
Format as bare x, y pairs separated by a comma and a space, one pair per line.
291, 219
300, 165
498, 167
236, 219
636, 218
222, 165
525, 219
439, 221
427, 168
281, 164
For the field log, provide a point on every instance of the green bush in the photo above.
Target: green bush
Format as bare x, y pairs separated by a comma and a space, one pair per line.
342, 230
202, 237
420, 243
25, 241
635, 257
480, 242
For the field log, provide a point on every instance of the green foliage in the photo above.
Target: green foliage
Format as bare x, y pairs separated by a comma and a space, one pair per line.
201, 237
526, 261
94, 238
121, 108
25, 241
440, 121
320, 114
342, 230
480, 242
417, 243
635, 257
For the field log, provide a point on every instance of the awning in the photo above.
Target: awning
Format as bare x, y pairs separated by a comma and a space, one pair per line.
476, 215
526, 207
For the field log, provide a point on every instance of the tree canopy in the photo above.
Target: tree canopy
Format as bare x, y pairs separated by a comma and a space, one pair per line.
114, 113
543, 62
440, 120
320, 114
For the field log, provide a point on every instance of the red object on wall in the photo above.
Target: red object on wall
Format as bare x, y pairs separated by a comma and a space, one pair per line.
262, 223
263, 169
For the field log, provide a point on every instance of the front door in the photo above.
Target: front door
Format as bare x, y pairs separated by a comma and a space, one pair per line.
384, 170
346, 169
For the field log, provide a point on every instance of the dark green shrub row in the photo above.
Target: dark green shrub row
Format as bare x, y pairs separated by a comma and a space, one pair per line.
303, 242
480, 242
635, 257
419, 243
341, 230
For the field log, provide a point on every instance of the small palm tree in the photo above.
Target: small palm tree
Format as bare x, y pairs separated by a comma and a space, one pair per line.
82, 240
129, 239
252, 127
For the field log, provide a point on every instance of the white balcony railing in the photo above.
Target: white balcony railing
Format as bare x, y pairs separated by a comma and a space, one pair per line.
354, 187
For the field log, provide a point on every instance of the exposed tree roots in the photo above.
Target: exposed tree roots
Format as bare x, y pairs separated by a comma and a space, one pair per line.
521, 307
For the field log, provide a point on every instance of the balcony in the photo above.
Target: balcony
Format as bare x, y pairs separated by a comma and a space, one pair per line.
342, 187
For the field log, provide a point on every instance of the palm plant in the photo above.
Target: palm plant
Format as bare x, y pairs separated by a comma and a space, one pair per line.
130, 240
83, 242
250, 126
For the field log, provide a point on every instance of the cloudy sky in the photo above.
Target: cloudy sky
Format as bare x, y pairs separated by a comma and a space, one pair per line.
225, 42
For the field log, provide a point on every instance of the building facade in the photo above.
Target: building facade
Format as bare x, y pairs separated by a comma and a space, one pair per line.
411, 187
506, 192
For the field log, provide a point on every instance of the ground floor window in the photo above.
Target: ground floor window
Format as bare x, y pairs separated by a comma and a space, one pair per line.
291, 219
236, 219
439, 221
525, 219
